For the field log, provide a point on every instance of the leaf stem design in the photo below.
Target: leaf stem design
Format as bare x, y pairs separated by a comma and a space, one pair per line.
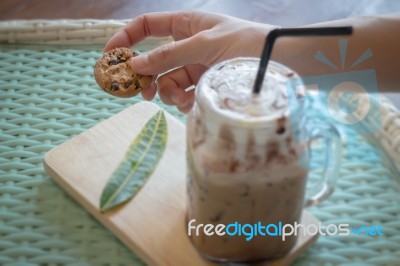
138, 163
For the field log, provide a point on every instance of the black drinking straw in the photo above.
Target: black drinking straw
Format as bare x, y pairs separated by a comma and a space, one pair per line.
274, 34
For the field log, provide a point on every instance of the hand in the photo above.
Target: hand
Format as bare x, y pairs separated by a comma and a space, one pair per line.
200, 40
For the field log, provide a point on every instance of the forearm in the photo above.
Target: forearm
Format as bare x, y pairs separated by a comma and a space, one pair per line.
379, 34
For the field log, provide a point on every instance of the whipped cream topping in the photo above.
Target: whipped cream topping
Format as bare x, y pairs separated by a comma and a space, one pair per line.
227, 89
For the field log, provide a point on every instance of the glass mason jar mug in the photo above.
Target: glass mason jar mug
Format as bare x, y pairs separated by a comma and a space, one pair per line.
243, 154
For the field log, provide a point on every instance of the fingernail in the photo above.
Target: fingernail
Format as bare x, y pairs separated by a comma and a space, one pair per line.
175, 99
153, 85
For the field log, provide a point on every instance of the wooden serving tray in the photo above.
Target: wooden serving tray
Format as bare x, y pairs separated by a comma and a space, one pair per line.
152, 224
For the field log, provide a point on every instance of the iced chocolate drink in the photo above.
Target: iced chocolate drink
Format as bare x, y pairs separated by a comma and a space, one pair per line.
243, 164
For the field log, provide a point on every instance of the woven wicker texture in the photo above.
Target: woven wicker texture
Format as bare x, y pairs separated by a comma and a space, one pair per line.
48, 95
59, 31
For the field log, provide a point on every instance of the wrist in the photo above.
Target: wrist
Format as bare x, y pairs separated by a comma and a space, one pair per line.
259, 35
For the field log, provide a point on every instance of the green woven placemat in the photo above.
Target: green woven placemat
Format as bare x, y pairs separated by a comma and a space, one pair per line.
48, 95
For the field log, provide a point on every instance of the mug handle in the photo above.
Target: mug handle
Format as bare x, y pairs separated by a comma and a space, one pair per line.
328, 133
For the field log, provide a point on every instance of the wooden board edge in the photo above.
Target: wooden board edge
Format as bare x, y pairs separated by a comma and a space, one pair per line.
47, 165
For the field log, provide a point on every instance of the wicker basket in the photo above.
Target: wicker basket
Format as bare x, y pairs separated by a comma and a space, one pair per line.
66, 32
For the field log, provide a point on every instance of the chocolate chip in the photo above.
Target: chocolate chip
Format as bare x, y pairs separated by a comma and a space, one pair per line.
127, 84
112, 62
137, 85
115, 86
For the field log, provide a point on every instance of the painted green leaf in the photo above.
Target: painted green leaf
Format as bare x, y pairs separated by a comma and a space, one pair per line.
138, 163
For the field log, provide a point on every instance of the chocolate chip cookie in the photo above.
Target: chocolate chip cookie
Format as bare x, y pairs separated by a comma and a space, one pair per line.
115, 76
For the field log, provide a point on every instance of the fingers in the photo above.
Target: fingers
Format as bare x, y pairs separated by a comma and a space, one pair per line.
189, 30
171, 55
172, 85
153, 24
186, 108
179, 25
176, 24
149, 93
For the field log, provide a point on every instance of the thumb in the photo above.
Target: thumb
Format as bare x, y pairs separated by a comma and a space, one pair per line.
168, 56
